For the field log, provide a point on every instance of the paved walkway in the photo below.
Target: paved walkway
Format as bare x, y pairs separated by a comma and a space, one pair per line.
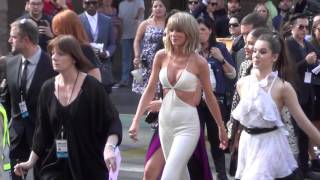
133, 154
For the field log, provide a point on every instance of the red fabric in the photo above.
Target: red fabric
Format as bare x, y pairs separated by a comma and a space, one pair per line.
51, 10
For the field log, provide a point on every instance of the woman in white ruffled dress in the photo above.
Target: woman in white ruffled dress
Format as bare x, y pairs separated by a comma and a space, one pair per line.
264, 151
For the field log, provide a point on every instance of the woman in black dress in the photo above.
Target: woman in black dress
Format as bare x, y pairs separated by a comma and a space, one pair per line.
78, 128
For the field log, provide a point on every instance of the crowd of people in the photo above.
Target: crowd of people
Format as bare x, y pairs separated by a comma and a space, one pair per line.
258, 98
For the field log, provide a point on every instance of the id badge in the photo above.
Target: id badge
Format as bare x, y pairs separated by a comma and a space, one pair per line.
23, 109
307, 77
62, 148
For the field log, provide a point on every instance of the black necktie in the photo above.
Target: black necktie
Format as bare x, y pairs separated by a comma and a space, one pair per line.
24, 78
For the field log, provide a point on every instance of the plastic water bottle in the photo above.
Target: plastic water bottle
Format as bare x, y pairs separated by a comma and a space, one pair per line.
212, 78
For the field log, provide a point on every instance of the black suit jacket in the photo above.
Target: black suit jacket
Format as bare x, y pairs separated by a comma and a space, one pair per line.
105, 32
24, 127
305, 91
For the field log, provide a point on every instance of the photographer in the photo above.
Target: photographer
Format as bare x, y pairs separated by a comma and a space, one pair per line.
35, 13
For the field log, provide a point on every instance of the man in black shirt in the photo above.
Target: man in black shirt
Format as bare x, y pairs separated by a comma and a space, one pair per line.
35, 12
302, 53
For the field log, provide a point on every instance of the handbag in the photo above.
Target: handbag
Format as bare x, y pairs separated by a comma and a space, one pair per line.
151, 117
106, 78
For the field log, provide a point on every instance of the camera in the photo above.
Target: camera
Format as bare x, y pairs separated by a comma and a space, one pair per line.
42, 23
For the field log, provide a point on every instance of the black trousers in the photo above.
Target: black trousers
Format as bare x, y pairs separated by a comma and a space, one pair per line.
303, 141
212, 128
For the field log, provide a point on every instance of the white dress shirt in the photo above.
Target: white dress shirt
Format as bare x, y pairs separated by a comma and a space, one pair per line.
93, 21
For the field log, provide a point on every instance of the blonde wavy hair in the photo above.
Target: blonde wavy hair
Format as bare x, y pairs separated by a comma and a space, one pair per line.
186, 23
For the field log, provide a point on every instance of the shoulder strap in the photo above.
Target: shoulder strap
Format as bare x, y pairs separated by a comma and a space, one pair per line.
274, 79
187, 63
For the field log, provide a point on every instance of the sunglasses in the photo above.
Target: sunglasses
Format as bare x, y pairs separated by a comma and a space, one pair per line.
234, 25
193, 2
91, 3
301, 27
213, 3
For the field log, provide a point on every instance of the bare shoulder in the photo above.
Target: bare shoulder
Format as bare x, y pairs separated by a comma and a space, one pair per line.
161, 53
286, 87
240, 83
145, 22
143, 25
242, 80
160, 56
199, 60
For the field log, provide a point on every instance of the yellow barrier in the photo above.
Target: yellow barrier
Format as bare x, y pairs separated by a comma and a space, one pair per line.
226, 41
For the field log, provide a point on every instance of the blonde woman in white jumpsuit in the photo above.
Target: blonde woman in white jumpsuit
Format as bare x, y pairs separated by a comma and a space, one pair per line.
179, 69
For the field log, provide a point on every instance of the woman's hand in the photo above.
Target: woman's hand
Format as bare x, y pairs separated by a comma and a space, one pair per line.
22, 168
154, 106
216, 53
223, 137
136, 62
110, 157
133, 130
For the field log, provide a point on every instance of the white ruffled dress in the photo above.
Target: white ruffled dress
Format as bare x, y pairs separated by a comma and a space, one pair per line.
263, 156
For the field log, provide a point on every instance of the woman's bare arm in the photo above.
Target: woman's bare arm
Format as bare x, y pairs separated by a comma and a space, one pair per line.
137, 41
291, 101
147, 95
211, 100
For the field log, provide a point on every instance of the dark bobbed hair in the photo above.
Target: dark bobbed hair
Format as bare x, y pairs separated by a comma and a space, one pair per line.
69, 45
254, 19
210, 25
283, 64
